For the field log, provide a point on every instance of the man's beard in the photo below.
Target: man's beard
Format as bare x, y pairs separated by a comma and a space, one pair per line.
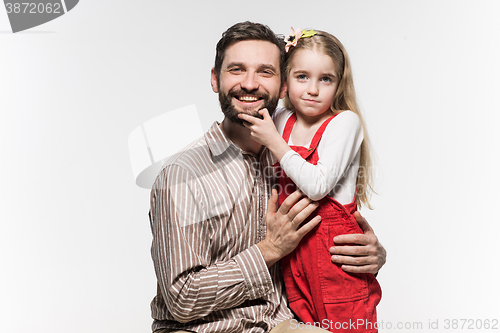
231, 113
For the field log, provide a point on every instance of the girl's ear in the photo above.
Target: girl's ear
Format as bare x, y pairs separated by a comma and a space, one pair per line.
283, 90
213, 81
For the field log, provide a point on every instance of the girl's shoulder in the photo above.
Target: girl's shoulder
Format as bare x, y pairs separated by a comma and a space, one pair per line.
347, 114
281, 112
346, 118
345, 123
280, 118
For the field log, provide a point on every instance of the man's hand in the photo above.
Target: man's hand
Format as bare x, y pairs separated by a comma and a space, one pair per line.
366, 256
284, 230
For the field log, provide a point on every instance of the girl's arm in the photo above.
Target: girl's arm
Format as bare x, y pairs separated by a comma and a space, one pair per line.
264, 132
337, 150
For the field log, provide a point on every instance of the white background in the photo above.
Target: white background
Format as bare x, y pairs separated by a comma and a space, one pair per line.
74, 232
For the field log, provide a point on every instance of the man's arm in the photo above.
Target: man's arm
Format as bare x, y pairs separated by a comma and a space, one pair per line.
191, 284
367, 256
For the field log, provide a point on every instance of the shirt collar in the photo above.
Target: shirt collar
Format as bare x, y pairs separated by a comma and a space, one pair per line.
217, 141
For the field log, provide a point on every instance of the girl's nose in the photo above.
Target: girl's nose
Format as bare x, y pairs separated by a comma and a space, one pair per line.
312, 89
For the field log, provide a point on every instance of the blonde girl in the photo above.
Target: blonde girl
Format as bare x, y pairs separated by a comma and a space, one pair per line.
320, 141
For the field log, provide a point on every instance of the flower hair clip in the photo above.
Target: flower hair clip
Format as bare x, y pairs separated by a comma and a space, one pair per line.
295, 35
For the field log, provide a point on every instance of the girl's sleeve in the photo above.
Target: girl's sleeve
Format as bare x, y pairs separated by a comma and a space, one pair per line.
280, 117
337, 149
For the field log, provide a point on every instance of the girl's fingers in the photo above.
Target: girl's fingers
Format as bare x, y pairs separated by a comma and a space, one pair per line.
247, 118
265, 114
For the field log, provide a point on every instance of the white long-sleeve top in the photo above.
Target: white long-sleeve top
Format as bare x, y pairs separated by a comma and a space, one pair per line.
338, 152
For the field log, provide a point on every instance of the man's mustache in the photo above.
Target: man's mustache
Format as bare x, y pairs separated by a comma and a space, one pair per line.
240, 92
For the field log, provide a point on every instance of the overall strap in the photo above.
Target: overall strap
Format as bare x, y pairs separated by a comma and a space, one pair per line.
319, 132
289, 126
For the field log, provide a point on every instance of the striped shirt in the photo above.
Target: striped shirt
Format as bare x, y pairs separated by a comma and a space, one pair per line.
208, 207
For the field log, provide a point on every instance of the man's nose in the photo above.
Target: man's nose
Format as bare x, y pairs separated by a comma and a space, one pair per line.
250, 82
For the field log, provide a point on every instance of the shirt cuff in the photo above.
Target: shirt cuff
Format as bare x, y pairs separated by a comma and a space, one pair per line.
255, 272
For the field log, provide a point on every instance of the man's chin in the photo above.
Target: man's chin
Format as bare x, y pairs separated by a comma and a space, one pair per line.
253, 113
250, 110
231, 109
233, 117
233, 113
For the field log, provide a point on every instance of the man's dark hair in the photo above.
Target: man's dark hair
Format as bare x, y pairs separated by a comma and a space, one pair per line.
248, 31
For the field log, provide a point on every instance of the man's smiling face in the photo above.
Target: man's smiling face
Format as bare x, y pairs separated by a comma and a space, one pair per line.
249, 79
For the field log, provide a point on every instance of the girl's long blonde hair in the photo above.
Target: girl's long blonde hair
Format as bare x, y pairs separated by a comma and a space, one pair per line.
345, 99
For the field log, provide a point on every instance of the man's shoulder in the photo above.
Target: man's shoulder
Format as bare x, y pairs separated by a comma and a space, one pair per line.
197, 158
196, 150
194, 156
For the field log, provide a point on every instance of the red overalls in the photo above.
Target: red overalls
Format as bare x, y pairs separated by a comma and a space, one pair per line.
319, 291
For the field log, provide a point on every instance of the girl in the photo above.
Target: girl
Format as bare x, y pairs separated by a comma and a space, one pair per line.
324, 151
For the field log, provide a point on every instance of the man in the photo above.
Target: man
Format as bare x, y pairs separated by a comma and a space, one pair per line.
215, 247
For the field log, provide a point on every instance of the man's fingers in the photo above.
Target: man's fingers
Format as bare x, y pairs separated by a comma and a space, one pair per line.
363, 223
360, 269
366, 256
348, 250
364, 264
359, 239
273, 202
353, 260
289, 202
302, 210
303, 230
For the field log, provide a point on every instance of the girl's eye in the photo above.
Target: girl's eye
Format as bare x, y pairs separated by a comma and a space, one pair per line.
301, 77
326, 79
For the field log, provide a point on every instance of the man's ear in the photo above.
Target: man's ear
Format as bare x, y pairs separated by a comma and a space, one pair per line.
213, 81
283, 89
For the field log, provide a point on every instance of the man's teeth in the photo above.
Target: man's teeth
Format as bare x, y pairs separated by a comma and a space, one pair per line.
248, 98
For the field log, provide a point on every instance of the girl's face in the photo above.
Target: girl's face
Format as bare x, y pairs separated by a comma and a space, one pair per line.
312, 82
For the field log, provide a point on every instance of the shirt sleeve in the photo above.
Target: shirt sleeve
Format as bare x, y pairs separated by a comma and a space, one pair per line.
192, 285
337, 149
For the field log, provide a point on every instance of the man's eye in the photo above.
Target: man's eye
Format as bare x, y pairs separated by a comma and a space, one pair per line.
235, 70
267, 73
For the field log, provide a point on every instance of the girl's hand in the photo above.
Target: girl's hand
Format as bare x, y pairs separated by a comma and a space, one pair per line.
261, 130
264, 132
